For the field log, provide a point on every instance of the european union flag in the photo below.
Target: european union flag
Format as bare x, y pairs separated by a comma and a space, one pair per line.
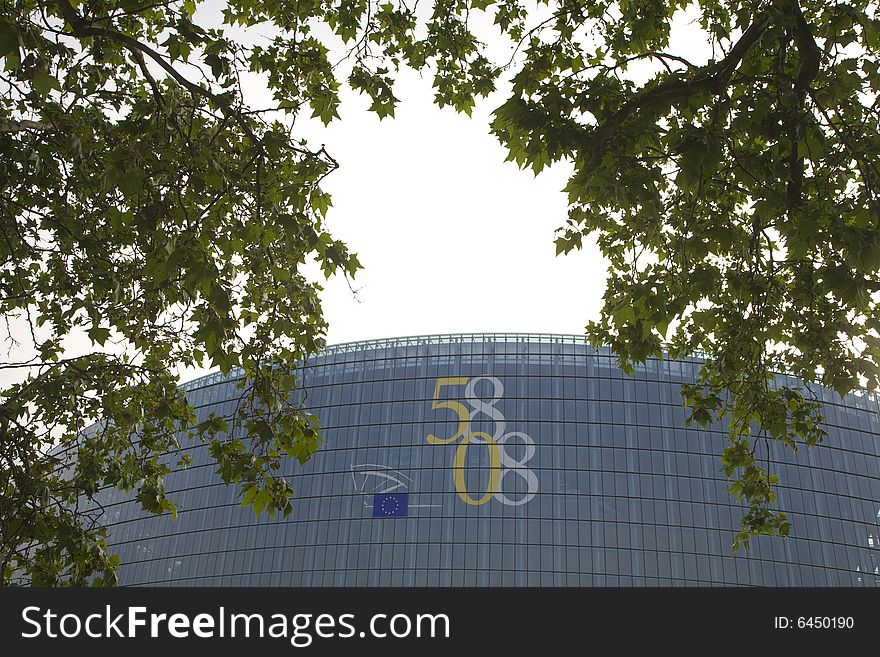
390, 505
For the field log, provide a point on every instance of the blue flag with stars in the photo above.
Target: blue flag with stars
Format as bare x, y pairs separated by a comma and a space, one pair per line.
390, 505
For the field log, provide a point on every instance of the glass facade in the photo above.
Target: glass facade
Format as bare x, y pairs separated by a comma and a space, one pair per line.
510, 460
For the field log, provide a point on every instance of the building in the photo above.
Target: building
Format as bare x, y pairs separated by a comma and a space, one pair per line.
596, 481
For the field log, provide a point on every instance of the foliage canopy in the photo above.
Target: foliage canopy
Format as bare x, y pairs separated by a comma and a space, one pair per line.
148, 205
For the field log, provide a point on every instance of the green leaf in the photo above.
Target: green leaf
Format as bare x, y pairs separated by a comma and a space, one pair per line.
43, 82
131, 182
99, 334
8, 38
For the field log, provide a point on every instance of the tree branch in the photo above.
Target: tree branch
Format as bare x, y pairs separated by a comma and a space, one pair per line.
810, 56
20, 126
138, 50
713, 77
157, 93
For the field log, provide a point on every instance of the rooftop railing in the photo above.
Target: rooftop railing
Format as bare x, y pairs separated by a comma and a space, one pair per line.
452, 338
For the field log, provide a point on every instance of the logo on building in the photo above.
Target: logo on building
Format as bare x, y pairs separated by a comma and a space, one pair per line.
384, 489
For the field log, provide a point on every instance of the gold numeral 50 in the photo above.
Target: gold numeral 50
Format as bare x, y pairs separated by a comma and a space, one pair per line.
464, 422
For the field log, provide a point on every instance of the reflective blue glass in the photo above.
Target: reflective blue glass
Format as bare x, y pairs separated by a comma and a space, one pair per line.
523, 460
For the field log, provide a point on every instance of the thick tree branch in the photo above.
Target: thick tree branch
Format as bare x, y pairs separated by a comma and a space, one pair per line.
21, 126
83, 29
810, 56
138, 49
713, 77
157, 93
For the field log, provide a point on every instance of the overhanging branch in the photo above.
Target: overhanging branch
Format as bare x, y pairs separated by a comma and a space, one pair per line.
83, 29
713, 78
11, 127
810, 57
138, 49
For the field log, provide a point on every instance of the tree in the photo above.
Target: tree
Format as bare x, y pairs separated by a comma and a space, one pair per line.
170, 223
148, 205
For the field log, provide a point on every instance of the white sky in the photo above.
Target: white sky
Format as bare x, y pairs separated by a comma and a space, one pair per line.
452, 238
